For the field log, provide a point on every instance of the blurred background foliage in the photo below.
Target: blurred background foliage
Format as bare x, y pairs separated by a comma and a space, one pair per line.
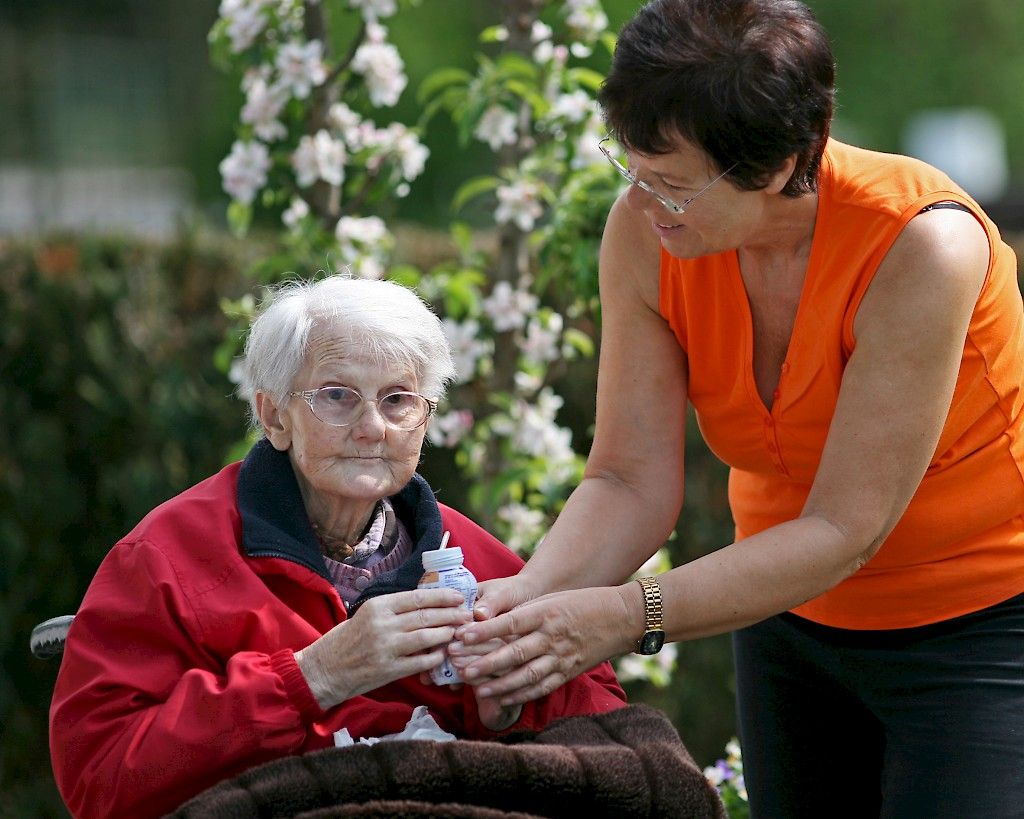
109, 393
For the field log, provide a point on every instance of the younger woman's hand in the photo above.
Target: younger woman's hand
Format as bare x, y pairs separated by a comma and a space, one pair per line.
497, 596
493, 714
548, 641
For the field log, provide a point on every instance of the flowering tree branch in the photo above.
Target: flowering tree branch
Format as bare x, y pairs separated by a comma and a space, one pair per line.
514, 316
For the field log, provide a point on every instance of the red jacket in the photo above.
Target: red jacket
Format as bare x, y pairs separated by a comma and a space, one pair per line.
179, 669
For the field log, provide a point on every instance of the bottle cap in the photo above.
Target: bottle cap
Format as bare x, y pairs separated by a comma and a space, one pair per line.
438, 559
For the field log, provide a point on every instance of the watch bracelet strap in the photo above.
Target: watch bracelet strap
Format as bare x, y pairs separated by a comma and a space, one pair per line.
654, 615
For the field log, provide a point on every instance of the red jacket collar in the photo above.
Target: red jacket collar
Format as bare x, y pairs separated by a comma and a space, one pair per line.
275, 524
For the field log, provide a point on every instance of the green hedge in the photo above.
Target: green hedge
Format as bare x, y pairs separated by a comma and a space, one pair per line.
111, 404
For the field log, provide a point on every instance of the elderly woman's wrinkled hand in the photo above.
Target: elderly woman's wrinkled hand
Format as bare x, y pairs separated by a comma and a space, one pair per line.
545, 643
389, 637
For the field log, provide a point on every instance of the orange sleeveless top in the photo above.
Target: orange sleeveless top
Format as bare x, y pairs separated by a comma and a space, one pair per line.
960, 545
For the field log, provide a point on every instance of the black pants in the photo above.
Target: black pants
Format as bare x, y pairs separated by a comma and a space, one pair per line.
921, 723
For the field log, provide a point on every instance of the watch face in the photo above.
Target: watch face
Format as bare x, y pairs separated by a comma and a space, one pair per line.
651, 642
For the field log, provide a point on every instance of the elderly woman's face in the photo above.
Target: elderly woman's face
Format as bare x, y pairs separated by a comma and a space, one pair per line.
364, 461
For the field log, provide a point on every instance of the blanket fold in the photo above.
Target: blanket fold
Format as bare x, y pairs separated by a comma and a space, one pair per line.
628, 762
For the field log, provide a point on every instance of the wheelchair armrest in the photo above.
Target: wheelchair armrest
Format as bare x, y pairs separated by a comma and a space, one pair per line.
48, 637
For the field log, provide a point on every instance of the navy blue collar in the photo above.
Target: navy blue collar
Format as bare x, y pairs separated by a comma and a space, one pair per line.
275, 524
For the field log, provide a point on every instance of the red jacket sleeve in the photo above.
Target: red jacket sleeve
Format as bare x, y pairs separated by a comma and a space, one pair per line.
140, 720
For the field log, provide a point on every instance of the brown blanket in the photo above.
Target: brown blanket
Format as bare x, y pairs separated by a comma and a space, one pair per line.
626, 763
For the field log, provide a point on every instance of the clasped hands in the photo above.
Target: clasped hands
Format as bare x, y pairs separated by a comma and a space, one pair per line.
390, 637
515, 652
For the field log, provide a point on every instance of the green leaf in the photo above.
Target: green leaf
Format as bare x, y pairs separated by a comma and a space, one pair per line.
442, 79
452, 99
579, 341
462, 236
220, 46
239, 217
405, 274
513, 64
460, 297
538, 103
472, 188
586, 77
468, 118
493, 34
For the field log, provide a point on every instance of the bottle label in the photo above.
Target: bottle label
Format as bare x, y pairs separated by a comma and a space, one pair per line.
462, 580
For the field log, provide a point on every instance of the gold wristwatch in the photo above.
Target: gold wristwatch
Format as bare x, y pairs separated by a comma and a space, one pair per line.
654, 633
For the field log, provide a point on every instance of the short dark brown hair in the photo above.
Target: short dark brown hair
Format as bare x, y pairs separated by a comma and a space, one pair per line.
751, 82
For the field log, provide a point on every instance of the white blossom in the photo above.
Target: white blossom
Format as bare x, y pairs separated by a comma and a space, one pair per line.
657, 563
381, 66
319, 157
586, 152
374, 10
585, 18
525, 526
507, 308
519, 202
574, 107
540, 31
639, 667
236, 375
400, 142
346, 122
246, 21
263, 104
545, 50
466, 346
295, 212
368, 231
527, 383
448, 429
367, 266
541, 342
712, 773
363, 243
559, 473
496, 127
244, 170
301, 67
531, 429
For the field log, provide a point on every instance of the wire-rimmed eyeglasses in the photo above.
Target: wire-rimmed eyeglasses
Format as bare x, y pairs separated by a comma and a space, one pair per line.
631, 178
343, 406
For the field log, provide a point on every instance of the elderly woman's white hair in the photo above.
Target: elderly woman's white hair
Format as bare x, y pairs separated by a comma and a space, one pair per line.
381, 320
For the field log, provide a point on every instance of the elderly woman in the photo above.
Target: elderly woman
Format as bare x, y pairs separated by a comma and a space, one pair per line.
848, 326
275, 603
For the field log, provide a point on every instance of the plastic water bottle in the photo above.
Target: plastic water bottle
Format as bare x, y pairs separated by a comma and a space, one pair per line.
443, 569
